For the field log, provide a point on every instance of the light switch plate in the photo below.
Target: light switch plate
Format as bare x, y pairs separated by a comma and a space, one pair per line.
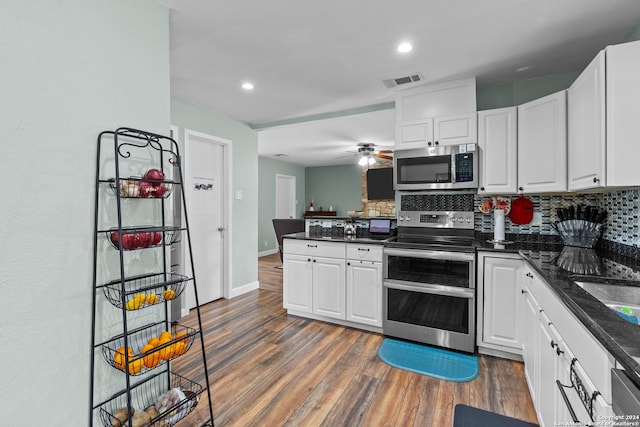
239, 195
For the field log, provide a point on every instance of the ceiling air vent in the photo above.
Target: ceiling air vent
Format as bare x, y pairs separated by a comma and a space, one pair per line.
391, 83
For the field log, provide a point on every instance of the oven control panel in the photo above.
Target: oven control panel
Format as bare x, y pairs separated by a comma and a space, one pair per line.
439, 219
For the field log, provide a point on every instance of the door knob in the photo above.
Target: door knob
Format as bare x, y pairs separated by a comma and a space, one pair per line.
220, 228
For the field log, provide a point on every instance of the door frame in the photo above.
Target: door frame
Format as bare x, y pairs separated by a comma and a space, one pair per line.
294, 205
227, 211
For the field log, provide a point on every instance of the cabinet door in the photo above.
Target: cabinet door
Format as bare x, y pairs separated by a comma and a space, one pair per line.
297, 282
414, 134
457, 129
502, 321
542, 144
329, 287
548, 393
497, 140
530, 331
586, 123
623, 111
364, 292
441, 99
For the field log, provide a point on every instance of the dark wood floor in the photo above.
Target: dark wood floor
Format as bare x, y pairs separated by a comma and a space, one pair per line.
270, 369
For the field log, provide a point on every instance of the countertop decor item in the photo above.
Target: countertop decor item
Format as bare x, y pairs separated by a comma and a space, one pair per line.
521, 211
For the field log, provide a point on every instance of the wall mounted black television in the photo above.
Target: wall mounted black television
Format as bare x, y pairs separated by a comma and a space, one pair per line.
380, 184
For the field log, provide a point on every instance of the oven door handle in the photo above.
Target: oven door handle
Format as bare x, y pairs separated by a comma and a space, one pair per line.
429, 254
433, 289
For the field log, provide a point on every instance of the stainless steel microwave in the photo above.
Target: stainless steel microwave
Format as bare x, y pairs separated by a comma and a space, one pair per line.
436, 168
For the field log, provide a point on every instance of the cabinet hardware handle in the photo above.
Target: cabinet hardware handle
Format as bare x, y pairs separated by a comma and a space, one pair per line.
437, 142
308, 259
429, 143
520, 189
365, 250
539, 310
312, 246
558, 351
523, 291
482, 188
348, 263
595, 180
553, 344
314, 260
529, 275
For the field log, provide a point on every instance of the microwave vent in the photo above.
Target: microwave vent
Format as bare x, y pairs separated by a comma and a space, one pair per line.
392, 83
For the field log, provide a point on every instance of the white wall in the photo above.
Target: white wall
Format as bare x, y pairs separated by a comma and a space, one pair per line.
70, 69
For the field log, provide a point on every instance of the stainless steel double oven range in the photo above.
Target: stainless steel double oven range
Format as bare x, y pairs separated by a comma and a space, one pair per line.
429, 279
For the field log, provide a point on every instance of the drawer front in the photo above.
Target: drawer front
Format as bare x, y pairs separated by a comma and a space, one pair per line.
299, 247
314, 248
364, 252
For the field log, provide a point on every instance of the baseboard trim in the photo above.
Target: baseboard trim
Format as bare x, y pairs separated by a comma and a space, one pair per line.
236, 292
267, 252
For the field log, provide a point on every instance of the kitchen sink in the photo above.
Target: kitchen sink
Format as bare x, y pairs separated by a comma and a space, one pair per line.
623, 300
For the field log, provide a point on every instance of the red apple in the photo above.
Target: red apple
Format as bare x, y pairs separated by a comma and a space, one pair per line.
155, 174
147, 189
145, 239
157, 238
115, 239
161, 189
130, 241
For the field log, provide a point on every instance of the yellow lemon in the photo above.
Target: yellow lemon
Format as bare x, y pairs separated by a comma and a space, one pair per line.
152, 299
169, 294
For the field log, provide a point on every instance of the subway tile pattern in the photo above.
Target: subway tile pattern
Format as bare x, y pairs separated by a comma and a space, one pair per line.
623, 222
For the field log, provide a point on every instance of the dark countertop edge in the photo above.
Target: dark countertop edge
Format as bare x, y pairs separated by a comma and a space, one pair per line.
330, 217
338, 239
616, 349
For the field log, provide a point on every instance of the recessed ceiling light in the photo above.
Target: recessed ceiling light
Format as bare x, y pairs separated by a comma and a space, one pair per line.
247, 86
404, 47
523, 68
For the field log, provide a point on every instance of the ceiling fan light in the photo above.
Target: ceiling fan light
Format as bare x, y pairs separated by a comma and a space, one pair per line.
371, 161
362, 161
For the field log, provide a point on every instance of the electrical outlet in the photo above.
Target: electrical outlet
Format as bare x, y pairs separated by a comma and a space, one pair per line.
537, 218
266, 243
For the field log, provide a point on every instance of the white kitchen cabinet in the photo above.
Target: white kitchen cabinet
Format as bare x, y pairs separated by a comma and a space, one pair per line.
297, 281
530, 340
549, 370
587, 130
498, 144
500, 302
314, 277
364, 284
329, 287
542, 144
438, 114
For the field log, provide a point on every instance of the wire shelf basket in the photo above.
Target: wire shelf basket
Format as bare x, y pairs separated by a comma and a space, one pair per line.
143, 355
145, 395
143, 237
145, 290
141, 188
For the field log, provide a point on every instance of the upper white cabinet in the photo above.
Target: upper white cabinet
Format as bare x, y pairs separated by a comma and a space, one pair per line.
498, 143
586, 116
542, 144
603, 115
437, 114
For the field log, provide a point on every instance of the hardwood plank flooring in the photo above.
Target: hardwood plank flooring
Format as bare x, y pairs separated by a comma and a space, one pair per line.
270, 369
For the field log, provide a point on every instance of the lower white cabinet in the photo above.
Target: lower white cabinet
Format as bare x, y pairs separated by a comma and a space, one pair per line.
334, 281
329, 287
364, 292
554, 342
499, 302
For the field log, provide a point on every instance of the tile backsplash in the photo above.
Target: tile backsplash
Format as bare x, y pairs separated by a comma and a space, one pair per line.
621, 226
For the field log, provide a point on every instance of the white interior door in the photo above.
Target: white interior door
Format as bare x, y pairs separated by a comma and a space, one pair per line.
285, 196
206, 194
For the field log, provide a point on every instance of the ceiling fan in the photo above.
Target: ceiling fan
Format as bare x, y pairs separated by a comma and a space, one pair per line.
368, 154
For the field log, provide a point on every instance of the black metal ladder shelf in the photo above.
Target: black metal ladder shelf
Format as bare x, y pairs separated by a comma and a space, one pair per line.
133, 338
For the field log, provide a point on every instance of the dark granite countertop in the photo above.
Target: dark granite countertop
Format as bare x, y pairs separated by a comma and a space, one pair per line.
377, 240
562, 267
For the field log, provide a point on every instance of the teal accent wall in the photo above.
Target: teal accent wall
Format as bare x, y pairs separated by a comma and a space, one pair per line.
70, 70
521, 91
244, 221
267, 171
633, 35
340, 186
